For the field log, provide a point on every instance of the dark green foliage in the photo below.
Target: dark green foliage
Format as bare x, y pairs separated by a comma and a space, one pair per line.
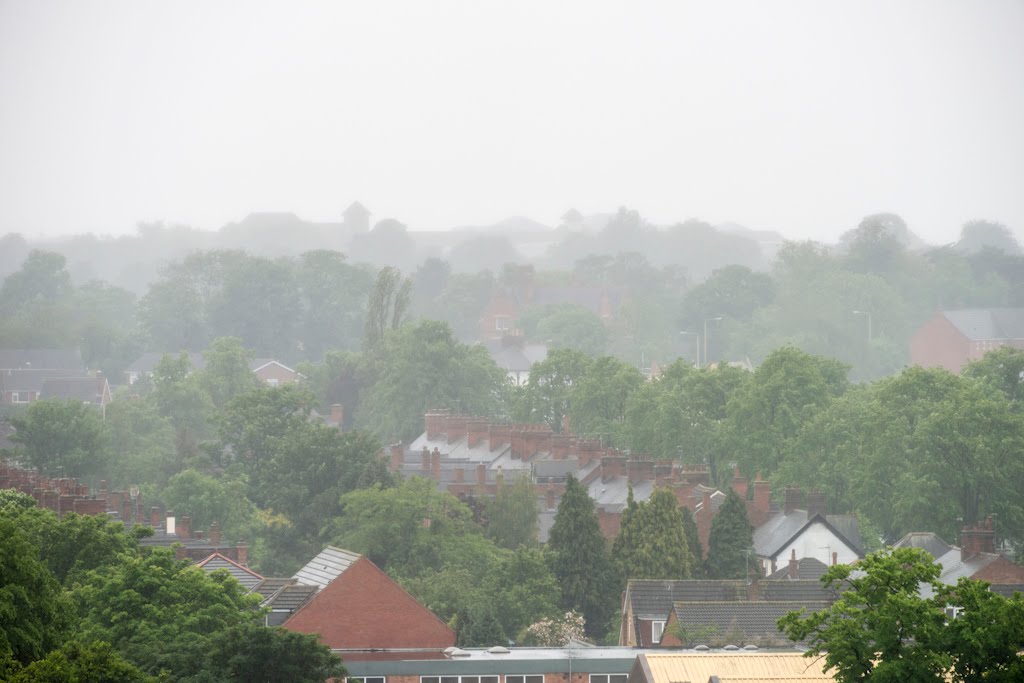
251, 652
421, 367
78, 662
579, 558
693, 545
547, 396
479, 627
33, 611
881, 629
512, 514
61, 438
731, 541
652, 540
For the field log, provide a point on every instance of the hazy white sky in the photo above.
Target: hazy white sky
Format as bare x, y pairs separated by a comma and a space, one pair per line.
799, 116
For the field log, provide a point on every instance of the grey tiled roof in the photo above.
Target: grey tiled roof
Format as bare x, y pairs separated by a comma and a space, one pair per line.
84, 389
243, 575
269, 586
988, 323
925, 540
808, 568
31, 380
754, 620
328, 565
808, 590
771, 537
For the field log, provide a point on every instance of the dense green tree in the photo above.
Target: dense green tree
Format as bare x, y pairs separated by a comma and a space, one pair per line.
387, 307
731, 541
579, 558
547, 396
627, 541
976, 236
656, 547
33, 611
160, 613
522, 589
77, 662
182, 399
251, 652
258, 302
41, 279
77, 544
411, 530
462, 301
61, 438
333, 294
207, 499
565, 326
1001, 369
599, 400
882, 629
141, 442
693, 545
512, 514
734, 291
479, 627
422, 367
788, 388
227, 373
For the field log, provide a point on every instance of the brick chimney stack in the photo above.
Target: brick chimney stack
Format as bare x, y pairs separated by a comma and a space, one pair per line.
640, 470
425, 460
397, 456
762, 497
791, 499
434, 423
981, 538
739, 483
154, 517
481, 474
185, 527
476, 431
455, 427
612, 466
815, 503
215, 534
794, 566
242, 554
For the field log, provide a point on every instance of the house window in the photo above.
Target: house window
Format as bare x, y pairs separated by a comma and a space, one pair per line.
608, 678
502, 323
657, 630
272, 381
953, 612
367, 679
463, 679
21, 396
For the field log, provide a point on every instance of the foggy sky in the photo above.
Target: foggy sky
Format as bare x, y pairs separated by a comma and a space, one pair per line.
797, 116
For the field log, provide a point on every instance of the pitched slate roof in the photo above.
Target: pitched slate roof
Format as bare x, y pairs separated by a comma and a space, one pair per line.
753, 619
774, 535
269, 586
326, 567
84, 389
925, 540
41, 359
282, 598
245, 576
808, 568
988, 323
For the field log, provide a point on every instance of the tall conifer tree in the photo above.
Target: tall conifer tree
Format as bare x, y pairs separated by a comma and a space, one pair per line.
731, 539
693, 543
579, 558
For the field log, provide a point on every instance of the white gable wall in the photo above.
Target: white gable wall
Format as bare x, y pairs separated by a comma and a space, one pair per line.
817, 541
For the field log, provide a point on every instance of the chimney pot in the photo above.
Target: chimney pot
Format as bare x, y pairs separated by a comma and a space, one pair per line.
215, 534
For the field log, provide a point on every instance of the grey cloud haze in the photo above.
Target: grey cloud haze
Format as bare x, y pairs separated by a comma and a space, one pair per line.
798, 116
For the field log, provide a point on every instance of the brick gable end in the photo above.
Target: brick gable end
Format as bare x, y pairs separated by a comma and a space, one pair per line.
363, 608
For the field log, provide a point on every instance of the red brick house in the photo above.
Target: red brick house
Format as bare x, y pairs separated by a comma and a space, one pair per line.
357, 607
951, 339
272, 372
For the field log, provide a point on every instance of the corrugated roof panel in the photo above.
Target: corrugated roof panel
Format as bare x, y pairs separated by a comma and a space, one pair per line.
739, 666
326, 567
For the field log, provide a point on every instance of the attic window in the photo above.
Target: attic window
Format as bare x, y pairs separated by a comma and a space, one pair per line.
657, 631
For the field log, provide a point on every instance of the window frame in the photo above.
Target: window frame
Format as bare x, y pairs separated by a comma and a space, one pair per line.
609, 678
654, 625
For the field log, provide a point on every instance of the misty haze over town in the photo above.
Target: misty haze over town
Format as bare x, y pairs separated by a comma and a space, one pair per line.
511, 342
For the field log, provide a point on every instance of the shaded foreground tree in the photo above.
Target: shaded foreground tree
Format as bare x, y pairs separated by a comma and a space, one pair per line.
579, 558
881, 629
654, 540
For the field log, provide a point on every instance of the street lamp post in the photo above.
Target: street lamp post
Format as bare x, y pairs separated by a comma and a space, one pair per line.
706, 338
866, 314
